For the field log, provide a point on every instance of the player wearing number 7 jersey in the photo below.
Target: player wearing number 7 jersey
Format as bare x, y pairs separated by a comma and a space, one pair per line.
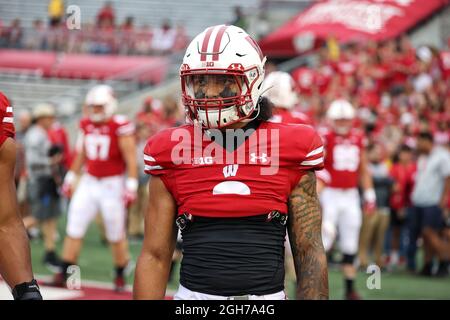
106, 148
345, 160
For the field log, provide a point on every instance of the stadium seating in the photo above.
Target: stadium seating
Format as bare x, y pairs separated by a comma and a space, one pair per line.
152, 12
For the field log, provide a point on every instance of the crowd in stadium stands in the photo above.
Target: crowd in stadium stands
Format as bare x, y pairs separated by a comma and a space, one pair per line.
401, 95
104, 36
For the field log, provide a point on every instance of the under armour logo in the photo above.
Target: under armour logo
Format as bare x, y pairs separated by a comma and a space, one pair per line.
254, 158
230, 170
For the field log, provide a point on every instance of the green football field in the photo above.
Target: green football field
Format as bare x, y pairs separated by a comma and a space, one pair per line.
96, 264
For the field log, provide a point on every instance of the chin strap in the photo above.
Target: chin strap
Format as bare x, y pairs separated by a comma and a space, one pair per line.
258, 110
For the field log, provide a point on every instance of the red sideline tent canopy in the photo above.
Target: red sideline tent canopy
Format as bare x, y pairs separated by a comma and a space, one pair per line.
348, 20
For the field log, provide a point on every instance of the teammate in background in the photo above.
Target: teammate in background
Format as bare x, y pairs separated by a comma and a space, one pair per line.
231, 215
15, 260
106, 147
347, 164
280, 89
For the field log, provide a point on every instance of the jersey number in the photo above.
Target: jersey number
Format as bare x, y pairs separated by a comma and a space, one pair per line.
97, 146
346, 158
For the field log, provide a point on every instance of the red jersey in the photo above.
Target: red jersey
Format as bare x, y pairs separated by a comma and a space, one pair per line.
368, 98
6, 119
403, 177
257, 177
444, 63
404, 65
343, 158
289, 117
58, 136
305, 79
323, 78
101, 145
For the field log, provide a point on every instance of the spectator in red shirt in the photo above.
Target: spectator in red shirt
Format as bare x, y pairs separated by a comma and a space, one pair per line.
150, 115
127, 36
164, 38
143, 40
172, 115
14, 34
181, 38
404, 64
59, 138
106, 15
160, 114
367, 93
402, 172
105, 41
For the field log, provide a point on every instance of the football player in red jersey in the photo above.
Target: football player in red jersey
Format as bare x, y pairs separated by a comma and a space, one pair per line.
15, 260
232, 214
280, 89
106, 147
346, 162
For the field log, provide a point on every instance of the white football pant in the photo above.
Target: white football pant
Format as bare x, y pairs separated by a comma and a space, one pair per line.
184, 293
93, 195
341, 213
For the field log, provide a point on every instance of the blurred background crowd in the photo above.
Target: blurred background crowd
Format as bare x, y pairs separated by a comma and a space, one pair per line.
105, 35
400, 89
399, 92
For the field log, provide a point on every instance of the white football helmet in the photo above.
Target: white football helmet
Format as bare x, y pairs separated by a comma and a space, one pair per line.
280, 88
339, 110
101, 95
226, 51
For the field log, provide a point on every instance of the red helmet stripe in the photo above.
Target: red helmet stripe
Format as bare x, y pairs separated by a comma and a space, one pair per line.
205, 43
217, 42
256, 46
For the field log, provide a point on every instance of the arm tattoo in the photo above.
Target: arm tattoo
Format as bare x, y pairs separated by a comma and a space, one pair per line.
305, 227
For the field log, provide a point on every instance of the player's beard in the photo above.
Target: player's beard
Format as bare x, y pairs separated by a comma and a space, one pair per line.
211, 112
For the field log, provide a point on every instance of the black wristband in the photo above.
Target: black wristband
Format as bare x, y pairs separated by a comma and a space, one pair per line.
27, 291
